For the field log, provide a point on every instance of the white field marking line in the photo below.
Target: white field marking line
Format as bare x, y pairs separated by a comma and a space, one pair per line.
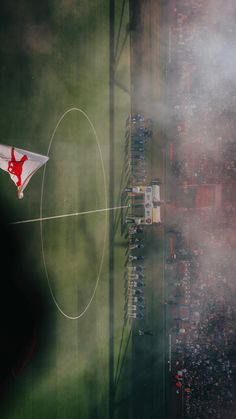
105, 229
74, 214
170, 366
163, 275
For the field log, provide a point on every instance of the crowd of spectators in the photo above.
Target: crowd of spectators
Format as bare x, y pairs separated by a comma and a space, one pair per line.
203, 115
203, 317
200, 301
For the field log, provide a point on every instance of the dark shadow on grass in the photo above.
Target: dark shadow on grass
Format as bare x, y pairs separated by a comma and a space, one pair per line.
117, 378
119, 30
26, 317
120, 349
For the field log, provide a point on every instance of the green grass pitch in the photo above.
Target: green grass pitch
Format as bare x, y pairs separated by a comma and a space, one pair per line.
56, 59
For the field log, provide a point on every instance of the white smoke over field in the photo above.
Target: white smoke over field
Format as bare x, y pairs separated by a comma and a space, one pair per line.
199, 119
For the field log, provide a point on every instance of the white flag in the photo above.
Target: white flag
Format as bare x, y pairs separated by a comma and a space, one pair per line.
20, 164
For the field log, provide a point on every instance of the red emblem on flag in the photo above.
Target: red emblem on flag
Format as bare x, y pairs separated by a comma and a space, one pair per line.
15, 166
